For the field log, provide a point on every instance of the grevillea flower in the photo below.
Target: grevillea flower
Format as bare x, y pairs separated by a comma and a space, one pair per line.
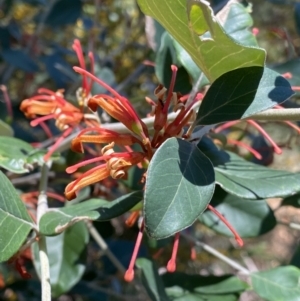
117, 106
48, 105
115, 165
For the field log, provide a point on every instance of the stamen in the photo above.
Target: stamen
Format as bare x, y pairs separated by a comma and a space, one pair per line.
171, 88
277, 149
225, 126
129, 275
222, 218
171, 266
37, 121
54, 147
7, 101
99, 81
130, 221
255, 153
46, 129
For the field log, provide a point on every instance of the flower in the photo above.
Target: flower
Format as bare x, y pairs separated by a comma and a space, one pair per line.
115, 165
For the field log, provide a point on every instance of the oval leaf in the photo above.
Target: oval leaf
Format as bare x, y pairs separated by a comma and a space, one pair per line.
225, 284
18, 156
15, 222
248, 180
67, 255
56, 221
249, 218
280, 284
179, 186
241, 93
216, 53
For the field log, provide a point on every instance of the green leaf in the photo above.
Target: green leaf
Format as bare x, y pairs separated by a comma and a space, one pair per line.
279, 284
249, 218
178, 294
56, 221
291, 66
241, 93
180, 184
237, 23
18, 156
67, 256
214, 52
15, 222
248, 180
165, 57
151, 280
293, 200
214, 285
5, 129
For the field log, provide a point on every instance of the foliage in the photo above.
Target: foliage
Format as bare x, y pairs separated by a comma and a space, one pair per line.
187, 166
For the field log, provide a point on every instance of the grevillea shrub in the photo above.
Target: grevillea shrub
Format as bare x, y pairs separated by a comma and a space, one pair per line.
170, 170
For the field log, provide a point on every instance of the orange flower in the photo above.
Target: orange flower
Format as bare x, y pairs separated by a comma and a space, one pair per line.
116, 166
104, 136
117, 106
51, 105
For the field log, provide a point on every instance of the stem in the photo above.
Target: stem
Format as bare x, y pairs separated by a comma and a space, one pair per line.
42, 207
217, 254
102, 244
268, 115
45, 269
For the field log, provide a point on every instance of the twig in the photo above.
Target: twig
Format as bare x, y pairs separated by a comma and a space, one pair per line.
217, 254
102, 244
41, 209
291, 225
30, 178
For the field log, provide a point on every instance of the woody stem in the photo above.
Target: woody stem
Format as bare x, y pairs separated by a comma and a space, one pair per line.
42, 207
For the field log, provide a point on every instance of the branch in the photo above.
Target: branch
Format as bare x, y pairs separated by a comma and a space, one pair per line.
41, 209
217, 254
102, 244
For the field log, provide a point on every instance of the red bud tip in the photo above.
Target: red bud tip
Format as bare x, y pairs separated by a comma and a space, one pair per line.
239, 241
255, 31
71, 169
171, 266
129, 275
287, 75
193, 253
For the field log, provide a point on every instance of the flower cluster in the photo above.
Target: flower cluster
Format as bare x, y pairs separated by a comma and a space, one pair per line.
113, 150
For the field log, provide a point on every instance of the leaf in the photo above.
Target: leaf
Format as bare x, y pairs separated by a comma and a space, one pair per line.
293, 200
56, 221
279, 284
64, 12
151, 280
241, 93
179, 186
214, 52
291, 66
249, 218
237, 23
18, 156
5, 129
165, 57
225, 284
15, 222
19, 59
178, 294
248, 180
67, 256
